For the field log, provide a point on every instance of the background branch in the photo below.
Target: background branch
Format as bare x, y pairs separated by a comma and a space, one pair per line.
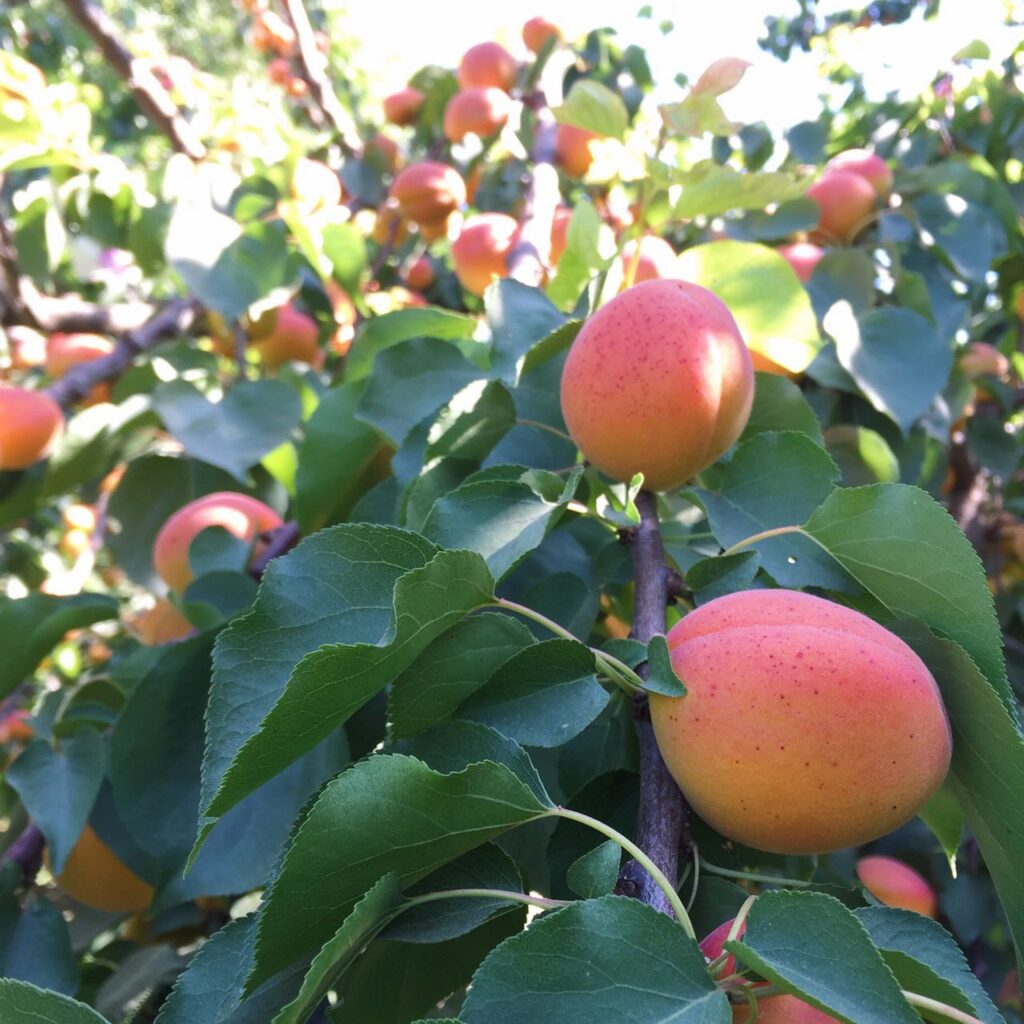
27, 852
528, 261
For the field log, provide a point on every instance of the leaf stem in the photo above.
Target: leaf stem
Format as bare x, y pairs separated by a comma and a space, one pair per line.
936, 1007
495, 894
640, 857
750, 876
778, 531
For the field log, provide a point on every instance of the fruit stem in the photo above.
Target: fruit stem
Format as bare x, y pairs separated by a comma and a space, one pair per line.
936, 1007
666, 887
750, 876
754, 538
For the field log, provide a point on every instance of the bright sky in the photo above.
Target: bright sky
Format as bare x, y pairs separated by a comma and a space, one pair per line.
398, 36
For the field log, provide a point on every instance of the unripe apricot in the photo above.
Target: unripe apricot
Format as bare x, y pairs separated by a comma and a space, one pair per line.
870, 166
420, 275
292, 339
403, 107
897, 884
803, 257
314, 185
428, 192
95, 876
160, 624
537, 31
480, 111
27, 347
487, 64
657, 259
658, 381
243, 517
782, 1010
573, 149
30, 425
482, 248
559, 233
845, 200
66, 350
806, 726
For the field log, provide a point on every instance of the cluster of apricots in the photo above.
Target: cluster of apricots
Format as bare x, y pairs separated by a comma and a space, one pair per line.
272, 35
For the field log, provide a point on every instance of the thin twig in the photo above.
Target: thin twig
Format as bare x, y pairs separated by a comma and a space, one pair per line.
275, 542
529, 259
27, 852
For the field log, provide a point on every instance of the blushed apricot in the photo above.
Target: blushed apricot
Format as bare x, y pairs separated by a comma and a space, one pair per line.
30, 425
979, 358
293, 338
537, 31
427, 192
279, 70
243, 517
481, 111
803, 257
573, 149
16, 728
420, 275
806, 726
845, 200
559, 233
96, 876
383, 152
657, 259
66, 350
487, 64
403, 107
713, 945
897, 884
658, 381
482, 248
782, 1010
870, 166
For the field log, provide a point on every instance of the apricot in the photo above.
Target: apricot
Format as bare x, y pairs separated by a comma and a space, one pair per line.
782, 1010
870, 166
296, 87
27, 347
314, 185
159, 625
537, 31
559, 233
427, 192
96, 876
897, 884
16, 728
280, 70
75, 543
420, 274
403, 107
383, 152
481, 251
271, 32
713, 945
803, 257
573, 149
487, 64
806, 726
66, 350
293, 338
446, 227
845, 200
658, 381
79, 517
480, 111
30, 425
657, 259
979, 358
390, 226
243, 517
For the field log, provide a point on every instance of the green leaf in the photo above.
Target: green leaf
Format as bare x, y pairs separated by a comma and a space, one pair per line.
252, 419
862, 455
521, 318
877, 347
661, 676
976, 49
35, 946
904, 548
843, 275
710, 189
763, 293
58, 788
968, 233
390, 813
451, 669
696, 115
809, 944
345, 247
333, 682
142, 972
21, 1003
611, 958
382, 332
596, 872
945, 817
542, 696
30, 627
903, 936
780, 405
773, 480
726, 574
336, 453
594, 107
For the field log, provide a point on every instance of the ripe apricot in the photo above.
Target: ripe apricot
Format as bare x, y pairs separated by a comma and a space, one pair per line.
242, 516
280, 70
658, 381
160, 624
487, 64
713, 945
792, 694
30, 425
559, 233
897, 884
573, 149
427, 192
293, 338
66, 350
782, 1010
390, 227
979, 358
79, 517
314, 185
15, 728
96, 876
403, 107
420, 275
537, 31
803, 257
445, 227
870, 166
480, 111
845, 200
383, 152
482, 248
657, 259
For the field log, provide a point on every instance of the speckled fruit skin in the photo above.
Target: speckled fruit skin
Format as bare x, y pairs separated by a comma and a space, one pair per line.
292, 339
897, 884
657, 259
482, 249
487, 64
845, 200
806, 726
537, 31
240, 515
573, 149
868, 165
481, 111
803, 257
782, 1010
428, 192
658, 381
30, 425
95, 876
403, 107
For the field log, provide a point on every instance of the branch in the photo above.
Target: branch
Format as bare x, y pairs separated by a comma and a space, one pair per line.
276, 542
662, 815
175, 318
150, 95
313, 66
529, 258
27, 852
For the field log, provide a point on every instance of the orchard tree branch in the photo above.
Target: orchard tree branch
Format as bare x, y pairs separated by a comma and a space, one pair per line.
177, 317
276, 542
151, 96
528, 260
661, 819
27, 852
